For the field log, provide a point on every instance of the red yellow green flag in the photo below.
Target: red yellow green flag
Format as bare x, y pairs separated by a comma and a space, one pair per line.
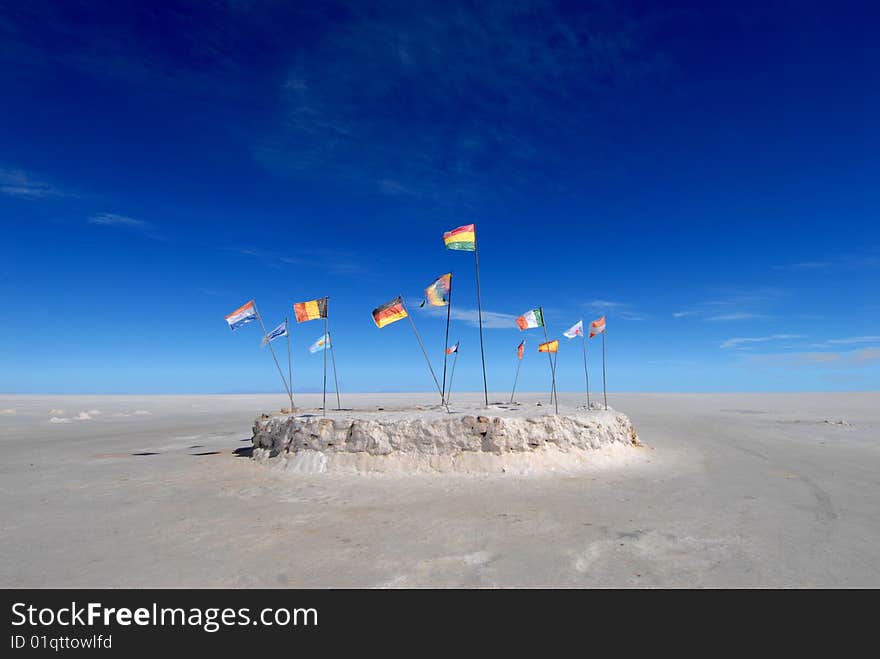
550, 346
463, 238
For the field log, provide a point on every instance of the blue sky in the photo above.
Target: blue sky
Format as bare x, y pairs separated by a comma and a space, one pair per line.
705, 177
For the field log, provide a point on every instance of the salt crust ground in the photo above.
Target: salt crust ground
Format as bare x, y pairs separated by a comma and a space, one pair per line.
497, 439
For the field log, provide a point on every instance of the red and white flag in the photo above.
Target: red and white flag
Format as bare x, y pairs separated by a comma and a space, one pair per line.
597, 327
520, 349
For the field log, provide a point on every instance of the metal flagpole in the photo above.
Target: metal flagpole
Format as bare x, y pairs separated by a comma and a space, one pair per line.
289, 364
424, 352
266, 336
604, 390
451, 375
480, 316
333, 360
586, 372
515, 378
555, 395
446, 346
326, 339
549, 356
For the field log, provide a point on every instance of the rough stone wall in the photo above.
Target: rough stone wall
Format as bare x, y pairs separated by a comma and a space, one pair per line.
447, 438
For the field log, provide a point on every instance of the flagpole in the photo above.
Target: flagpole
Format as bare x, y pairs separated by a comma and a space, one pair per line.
604, 390
549, 356
333, 360
451, 375
446, 346
326, 339
289, 364
480, 316
586, 372
515, 378
422, 346
278, 366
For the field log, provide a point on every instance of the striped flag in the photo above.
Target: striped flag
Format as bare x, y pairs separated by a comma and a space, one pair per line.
550, 346
437, 294
531, 319
279, 331
520, 349
321, 344
463, 238
575, 330
241, 316
597, 327
390, 312
452, 349
311, 310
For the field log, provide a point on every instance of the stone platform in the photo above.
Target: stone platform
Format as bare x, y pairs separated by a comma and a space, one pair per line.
497, 439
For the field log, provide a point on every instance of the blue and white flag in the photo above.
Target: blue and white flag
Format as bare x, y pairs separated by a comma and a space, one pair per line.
321, 344
281, 330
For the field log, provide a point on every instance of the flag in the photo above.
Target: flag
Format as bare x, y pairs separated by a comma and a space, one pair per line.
575, 330
463, 238
452, 349
281, 330
550, 346
311, 310
242, 315
520, 349
531, 319
437, 294
321, 344
389, 312
597, 327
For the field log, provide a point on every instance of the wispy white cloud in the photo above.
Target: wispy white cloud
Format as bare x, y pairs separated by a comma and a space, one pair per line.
733, 306
120, 221
491, 319
854, 339
849, 359
332, 124
845, 262
21, 184
619, 310
746, 340
335, 262
740, 315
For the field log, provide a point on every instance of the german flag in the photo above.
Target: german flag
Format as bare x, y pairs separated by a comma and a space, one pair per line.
550, 346
389, 313
311, 310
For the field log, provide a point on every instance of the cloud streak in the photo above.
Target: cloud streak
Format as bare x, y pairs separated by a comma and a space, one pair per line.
491, 319
747, 340
21, 184
120, 222
851, 359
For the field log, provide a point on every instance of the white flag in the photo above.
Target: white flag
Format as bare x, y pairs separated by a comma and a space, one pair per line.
575, 330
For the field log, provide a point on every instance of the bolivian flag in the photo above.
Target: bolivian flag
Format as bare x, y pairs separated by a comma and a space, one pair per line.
550, 346
437, 294
389, 313
463, 238
311, 310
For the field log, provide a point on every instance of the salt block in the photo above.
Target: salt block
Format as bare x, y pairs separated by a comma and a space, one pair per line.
423, 441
